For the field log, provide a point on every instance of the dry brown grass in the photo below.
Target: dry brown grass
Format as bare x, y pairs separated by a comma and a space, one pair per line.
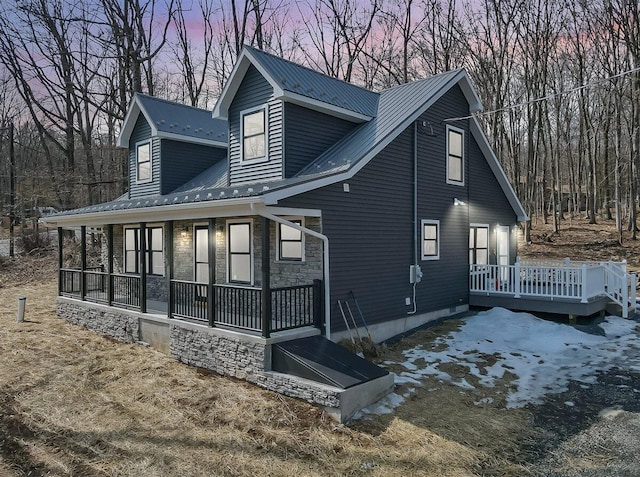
75, 403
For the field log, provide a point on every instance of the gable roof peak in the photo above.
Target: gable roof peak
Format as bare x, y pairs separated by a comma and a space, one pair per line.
172, 120
294, 83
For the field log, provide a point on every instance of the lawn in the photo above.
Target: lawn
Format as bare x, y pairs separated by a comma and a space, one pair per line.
73, 403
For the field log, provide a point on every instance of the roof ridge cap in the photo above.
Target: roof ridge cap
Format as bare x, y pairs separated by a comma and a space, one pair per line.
444, 73
169, 101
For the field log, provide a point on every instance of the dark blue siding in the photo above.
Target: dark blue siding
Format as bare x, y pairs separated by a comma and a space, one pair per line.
371, 228
307, 134
183, 161
487, 202
142, 132
255, 91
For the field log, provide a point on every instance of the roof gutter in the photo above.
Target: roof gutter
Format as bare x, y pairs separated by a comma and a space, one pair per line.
190, 210
263, 212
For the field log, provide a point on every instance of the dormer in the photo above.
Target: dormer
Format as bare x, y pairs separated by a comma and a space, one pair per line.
282, 115
169, 144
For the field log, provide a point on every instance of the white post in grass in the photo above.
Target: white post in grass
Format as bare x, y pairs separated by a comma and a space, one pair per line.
21, 303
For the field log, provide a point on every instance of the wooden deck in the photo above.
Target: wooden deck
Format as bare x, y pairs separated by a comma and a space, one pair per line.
563, 287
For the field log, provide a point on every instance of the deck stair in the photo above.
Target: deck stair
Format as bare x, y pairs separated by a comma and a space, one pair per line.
575, 287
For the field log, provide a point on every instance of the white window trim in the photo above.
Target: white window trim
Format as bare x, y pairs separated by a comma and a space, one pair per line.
243, 113
142, 143
302, 236
251, 252
193, 244
461, 131
437, 224
124, 248
488, 227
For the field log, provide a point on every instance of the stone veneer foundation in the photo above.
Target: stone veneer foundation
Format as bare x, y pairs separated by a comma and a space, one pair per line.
226, 352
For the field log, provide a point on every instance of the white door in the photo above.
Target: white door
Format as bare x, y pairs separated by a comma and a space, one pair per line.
502, 249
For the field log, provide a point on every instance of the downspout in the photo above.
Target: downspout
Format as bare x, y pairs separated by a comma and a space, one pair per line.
325, 257
416, 229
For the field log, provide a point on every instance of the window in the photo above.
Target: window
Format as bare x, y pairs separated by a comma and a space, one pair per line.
290, 244
479, 244
240, 252
155, 257
430, 240
155, 251
455, 156
254, 138
131, 250
143, 161
201, 253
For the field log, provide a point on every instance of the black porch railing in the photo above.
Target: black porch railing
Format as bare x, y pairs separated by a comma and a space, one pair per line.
240, 307
96, 286
70, 282
125, 291
189, 300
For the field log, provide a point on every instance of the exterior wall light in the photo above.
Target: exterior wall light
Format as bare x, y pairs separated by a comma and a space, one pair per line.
457, 201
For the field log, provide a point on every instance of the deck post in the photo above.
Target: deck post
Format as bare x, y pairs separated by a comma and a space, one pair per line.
266, 277
143, 267
168, 240
110, 264
584, 283
83, 261
60, 255
211, 253
318, 300
516, 279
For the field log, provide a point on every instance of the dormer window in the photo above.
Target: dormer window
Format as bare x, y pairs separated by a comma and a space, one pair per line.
143, 162
254, 134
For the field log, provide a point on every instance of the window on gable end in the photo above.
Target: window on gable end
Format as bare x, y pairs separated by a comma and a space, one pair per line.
455, 156
254, 135
143, 162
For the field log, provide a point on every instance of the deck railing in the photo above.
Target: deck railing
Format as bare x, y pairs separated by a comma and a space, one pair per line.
240, 307
563, 281
96, 286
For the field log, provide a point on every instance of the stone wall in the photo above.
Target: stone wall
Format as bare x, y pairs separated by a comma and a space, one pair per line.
245, 358
118, 324
227, 353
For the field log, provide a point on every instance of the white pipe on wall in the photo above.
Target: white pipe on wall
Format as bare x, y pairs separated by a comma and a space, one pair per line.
261, 211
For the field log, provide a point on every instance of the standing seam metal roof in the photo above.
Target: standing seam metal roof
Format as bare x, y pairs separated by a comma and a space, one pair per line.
175, 118
312, 84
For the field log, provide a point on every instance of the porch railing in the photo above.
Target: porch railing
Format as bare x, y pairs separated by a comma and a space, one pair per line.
125, 291
240, 306
70, 282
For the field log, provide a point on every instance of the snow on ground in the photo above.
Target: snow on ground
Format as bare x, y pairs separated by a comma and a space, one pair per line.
544, 356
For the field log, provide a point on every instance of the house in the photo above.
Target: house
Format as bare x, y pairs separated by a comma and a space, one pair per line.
241, 232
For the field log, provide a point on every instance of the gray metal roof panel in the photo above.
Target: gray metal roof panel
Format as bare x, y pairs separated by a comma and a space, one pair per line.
315, 85
215, 177
175, 118
396, 105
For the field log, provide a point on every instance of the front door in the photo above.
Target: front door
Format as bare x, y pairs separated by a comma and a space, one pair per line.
502, 250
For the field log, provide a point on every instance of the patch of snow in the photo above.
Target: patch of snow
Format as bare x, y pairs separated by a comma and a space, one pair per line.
541, 356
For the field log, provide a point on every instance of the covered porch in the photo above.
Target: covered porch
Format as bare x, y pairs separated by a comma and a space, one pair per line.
575, 288
263, 279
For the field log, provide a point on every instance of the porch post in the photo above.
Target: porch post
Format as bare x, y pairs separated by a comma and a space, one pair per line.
168, 240
212, 271
83, 260
584, 284
110, 264
517, 279
60, 256
266, 275
143, 267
